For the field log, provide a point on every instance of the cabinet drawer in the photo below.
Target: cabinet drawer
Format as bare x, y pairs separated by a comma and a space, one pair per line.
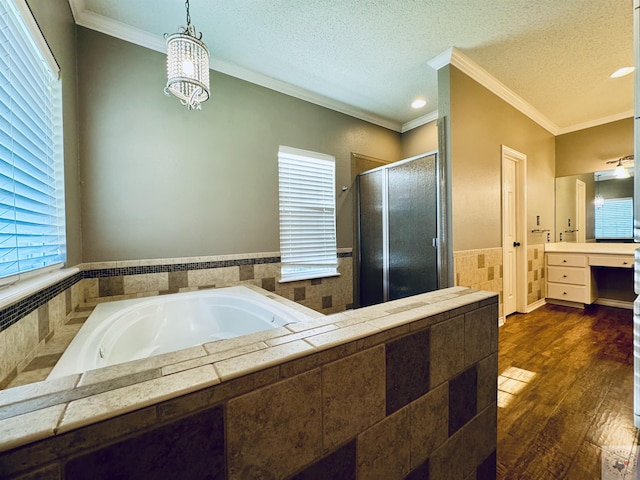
571, 293
566, 260
576, 276
621, 261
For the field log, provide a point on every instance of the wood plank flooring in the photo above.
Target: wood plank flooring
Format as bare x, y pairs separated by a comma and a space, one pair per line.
565, 394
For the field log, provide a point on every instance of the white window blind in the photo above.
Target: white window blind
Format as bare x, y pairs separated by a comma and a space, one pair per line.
614, 219
307, 214
32, 230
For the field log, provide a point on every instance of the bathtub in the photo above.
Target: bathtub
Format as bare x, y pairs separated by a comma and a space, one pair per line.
125, 330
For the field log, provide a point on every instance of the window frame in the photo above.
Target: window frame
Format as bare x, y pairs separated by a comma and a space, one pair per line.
297, 259
23, 34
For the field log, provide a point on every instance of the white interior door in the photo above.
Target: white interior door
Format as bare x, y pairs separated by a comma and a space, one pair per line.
514, 234
581, 211
509, 235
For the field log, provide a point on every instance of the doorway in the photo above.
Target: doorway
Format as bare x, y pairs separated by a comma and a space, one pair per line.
514, 233
581, 211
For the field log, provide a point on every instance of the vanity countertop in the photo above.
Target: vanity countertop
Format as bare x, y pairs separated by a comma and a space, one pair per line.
596, 248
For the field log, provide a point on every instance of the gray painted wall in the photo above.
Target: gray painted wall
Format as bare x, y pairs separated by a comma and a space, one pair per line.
56, 23
161, 181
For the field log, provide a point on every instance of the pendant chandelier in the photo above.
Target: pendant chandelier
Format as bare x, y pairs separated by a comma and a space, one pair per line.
187, 66
599, 199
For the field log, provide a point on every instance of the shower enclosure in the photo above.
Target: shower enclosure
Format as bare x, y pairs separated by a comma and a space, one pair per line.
397, 230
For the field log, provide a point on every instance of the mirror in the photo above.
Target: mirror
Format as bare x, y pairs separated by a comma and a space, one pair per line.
595, 207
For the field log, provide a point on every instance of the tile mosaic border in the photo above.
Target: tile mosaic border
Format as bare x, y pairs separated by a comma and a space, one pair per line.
21, 308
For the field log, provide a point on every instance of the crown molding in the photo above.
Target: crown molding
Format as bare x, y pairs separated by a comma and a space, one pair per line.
455, 57
428, 118
77, 7
142, 38
441, 60
596, 122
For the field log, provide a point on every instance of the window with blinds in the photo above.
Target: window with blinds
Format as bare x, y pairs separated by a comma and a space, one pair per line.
32, 230
614, 219
307, 214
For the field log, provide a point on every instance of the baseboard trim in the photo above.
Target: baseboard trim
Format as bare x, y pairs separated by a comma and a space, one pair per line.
607, 302
535, 305
564, 303
501, 321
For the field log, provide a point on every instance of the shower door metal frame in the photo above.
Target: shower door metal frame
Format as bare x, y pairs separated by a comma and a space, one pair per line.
385, 220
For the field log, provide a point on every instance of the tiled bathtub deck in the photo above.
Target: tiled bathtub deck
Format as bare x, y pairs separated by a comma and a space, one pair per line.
48, 354
54, 425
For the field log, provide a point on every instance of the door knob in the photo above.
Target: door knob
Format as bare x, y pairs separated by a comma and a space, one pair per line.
516, 244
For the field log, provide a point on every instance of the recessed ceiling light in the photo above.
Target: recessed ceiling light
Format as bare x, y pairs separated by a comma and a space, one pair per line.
418, 103
621, 72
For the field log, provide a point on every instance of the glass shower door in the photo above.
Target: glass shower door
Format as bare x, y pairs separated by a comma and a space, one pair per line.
412, 216
397, 228
371, 248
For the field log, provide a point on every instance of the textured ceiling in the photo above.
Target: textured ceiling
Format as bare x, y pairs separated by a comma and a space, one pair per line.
371, 55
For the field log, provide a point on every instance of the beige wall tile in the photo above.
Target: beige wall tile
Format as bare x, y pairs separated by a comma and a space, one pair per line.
57, 311
446, 461
267, 270
477, 334
157, 282
201, 278
134, 367
429, 423
90, 288
447, 350
353, 395
254, 361
487, 387
135, 284
22, 338
6, 361
384, 449
226, 275
336, 337
32, 426
102, 406
479, 438
274, 431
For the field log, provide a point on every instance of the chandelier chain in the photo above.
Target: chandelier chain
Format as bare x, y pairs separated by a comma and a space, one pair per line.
186, 4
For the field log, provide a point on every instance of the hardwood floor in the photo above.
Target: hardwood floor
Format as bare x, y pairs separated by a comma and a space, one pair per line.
565, 394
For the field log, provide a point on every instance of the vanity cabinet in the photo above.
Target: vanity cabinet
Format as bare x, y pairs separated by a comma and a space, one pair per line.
569, 278
570, 275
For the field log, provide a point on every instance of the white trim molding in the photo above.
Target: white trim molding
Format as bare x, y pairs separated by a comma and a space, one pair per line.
614, 303
453, 56
536, 305
423, 120
596, 122
456, 58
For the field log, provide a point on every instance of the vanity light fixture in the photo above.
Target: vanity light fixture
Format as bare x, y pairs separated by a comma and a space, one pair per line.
418, 103
621, 72
620, 171
187, 66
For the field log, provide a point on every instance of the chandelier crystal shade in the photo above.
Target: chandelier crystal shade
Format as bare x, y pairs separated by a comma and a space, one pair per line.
187, 66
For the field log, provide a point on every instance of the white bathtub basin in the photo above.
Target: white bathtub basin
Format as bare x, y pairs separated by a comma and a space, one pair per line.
127, 330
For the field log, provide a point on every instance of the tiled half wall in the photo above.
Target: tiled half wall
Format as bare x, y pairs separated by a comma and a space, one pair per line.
414, 397
32, 320
482, 269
